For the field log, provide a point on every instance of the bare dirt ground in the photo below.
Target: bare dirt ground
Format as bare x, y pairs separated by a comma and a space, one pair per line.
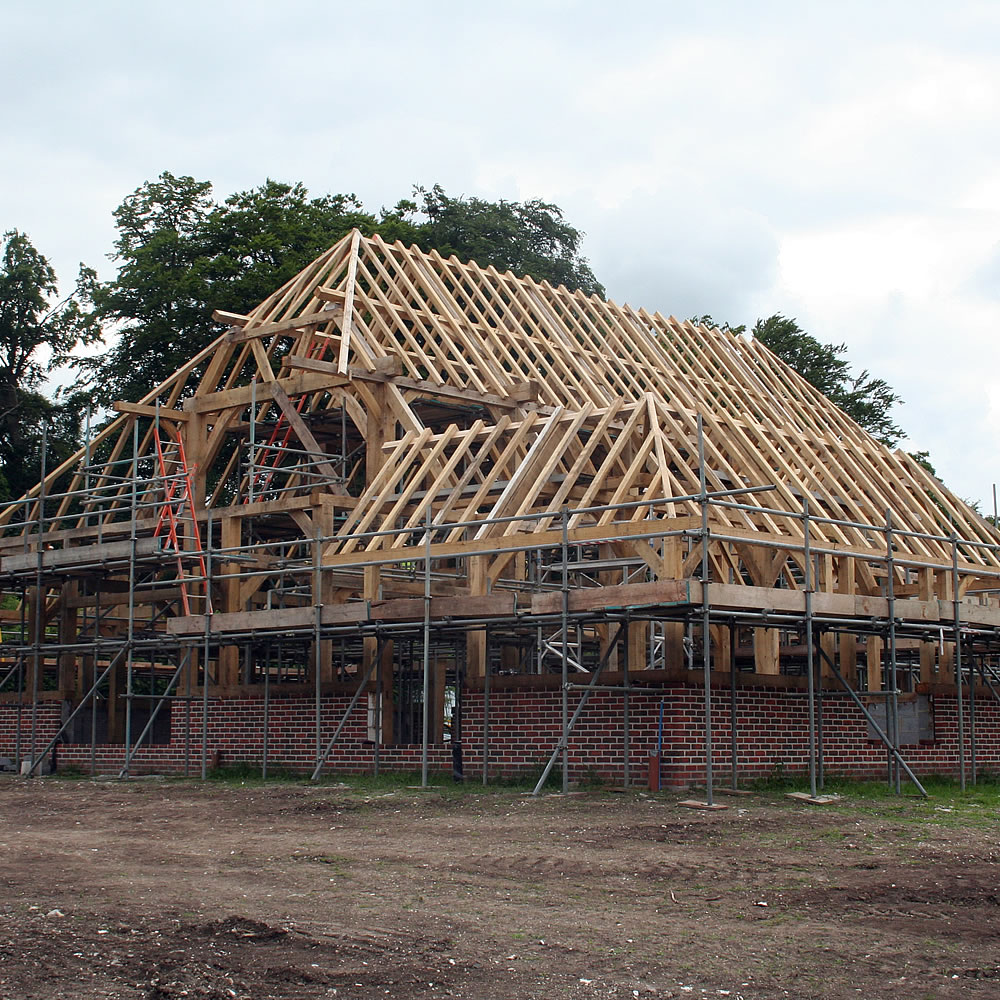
171, 889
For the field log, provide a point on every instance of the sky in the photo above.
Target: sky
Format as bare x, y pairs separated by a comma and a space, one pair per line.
834, 162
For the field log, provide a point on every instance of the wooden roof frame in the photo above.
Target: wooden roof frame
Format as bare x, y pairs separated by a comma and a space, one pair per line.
577, 401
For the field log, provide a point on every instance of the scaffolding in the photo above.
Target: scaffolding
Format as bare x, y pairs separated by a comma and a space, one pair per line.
402, 480
555, 614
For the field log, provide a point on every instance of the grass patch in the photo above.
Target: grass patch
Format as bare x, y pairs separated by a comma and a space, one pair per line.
245, 773
440, 782
946, 805
71, 772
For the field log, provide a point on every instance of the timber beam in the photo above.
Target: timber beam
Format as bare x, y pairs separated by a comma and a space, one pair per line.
521, 394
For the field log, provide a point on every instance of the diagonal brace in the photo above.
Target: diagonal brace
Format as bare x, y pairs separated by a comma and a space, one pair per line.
871, 720
561, 745
347, 712
76, 711
130, 751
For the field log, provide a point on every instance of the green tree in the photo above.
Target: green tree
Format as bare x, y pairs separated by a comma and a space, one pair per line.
865, 399
157, 303
819, 364
923, 459
37, 335
257, 240
529, 238
707, 320
56, 424
181, 255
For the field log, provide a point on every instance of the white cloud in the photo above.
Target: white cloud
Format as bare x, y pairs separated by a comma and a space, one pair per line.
917, 256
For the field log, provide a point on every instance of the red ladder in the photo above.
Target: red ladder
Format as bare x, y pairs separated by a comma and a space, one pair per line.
317, 348
178, 491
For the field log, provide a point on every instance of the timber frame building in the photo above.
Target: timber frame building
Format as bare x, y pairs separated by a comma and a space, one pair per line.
410, 510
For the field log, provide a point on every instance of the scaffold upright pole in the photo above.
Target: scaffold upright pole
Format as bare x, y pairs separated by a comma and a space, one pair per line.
706, 602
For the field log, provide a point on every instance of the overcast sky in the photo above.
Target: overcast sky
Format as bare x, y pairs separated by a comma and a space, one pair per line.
836, 162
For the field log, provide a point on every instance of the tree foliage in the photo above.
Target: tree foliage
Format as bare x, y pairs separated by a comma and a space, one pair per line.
528, 238
707, 320
37, 334
923, 459
865, 399
157, 301
181, 255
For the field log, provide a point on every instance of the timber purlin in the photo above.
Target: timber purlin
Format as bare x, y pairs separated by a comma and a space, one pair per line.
424, 472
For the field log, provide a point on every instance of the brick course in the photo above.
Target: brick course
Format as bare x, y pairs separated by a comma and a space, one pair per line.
772, 736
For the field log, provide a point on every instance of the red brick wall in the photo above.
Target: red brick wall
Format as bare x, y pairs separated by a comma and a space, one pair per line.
772, 736
48, 718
